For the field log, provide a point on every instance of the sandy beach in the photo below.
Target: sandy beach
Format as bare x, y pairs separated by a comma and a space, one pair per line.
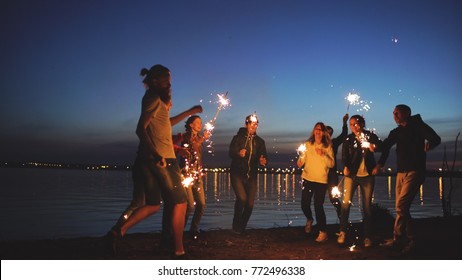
437, 240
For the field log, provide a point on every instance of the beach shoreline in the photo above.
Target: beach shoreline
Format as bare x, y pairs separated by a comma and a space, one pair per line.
436, 240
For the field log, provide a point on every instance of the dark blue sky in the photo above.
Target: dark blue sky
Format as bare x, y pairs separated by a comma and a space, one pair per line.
71, 88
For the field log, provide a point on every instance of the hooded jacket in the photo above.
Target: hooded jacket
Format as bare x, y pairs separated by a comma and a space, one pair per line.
410, 144
255, 146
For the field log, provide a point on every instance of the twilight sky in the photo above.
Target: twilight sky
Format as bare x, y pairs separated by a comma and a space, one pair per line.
71, 90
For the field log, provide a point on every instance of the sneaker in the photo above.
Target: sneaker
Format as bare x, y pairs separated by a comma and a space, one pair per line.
367, 242
341, 237
308, 225
322, 236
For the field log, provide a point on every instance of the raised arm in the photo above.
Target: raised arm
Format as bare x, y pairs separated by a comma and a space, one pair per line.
178, 118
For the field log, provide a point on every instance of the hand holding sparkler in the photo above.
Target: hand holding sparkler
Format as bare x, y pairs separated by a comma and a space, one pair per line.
301, 155
301, 150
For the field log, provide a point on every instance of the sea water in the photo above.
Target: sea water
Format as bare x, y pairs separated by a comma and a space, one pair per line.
63, 203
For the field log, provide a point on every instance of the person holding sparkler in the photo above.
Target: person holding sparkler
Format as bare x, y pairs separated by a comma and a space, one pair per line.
316, 158
359, 162
156, 174
413, 138
191, 166
332, 181
247, 151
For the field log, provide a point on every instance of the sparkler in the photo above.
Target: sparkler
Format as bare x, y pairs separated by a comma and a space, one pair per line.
301, 150
187, 181
223, 102
364, 141
253, 119
353, 99
336, 193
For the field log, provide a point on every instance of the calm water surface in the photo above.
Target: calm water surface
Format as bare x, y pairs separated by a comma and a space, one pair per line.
55, 203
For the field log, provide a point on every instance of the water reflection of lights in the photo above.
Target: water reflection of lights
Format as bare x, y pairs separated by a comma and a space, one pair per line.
278, 200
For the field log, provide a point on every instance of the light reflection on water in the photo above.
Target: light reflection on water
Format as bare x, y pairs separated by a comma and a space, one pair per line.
54, 203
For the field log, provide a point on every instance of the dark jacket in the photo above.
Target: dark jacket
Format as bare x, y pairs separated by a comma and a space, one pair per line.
353, 153
410, 144
255, 146
336, 142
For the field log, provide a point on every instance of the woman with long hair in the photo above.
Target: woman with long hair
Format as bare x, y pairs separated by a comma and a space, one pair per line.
316, 161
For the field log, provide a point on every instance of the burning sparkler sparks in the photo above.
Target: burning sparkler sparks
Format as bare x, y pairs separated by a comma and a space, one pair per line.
364, 141
223, 102
188, 181
301, 150
336, 192
253, 118
355, 99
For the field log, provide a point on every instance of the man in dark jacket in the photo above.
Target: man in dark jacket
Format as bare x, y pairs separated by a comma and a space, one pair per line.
247, 151
413, 138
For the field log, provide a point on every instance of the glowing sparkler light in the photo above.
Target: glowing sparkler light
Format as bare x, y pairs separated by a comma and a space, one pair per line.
353, 99
187, 181
352, 248
223, 102
253, 118
364, 143
301, 149
208, 126
336, 192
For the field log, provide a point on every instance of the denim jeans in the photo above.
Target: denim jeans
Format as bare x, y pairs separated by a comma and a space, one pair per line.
366, 185
196, 204
318, 190
407, 186
245, 190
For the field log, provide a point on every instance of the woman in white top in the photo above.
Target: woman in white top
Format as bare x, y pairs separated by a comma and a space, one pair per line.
316, 161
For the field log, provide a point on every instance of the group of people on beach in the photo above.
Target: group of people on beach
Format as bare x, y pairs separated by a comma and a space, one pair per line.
164, 162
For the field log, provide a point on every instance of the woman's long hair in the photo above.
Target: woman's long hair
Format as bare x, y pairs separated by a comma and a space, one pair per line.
326, 140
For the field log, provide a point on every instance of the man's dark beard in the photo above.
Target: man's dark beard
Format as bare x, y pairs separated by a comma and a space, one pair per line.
164, 94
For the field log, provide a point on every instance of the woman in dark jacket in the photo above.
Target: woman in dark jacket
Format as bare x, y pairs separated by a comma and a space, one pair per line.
247, 151
359, 162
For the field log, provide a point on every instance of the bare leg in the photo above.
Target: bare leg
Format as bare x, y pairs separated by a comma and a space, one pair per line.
139, 215
178, 218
